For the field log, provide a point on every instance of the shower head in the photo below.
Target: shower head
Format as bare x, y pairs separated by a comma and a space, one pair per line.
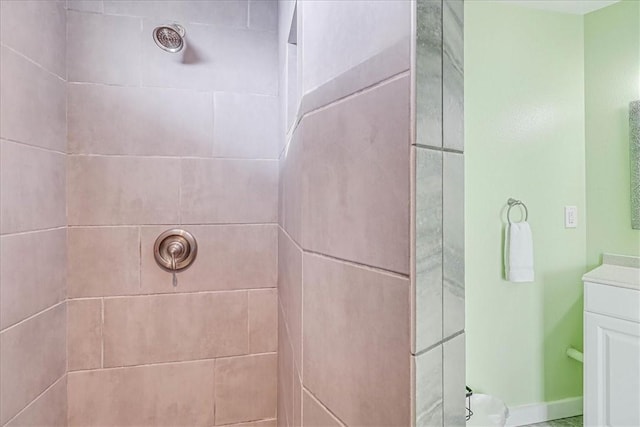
169, 37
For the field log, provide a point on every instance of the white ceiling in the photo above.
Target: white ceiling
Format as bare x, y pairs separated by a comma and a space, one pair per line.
578, 7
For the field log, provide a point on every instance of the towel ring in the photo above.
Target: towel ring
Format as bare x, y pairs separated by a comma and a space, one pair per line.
513, 202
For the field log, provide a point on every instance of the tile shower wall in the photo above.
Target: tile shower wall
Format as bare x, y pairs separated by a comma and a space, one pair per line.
33, 226
344, 242
156, 141
438, 280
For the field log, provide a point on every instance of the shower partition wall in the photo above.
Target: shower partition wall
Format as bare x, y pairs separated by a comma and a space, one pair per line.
356, 281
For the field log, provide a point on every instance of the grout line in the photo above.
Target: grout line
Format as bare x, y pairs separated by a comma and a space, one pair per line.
102, 333
439, 343
434, 148
38, 230
170, 88
169, 224
140, 258
169, 157
42, 67
442, 243
244, 423
169, 294
172, 362
345, 261
36, 147
319, 402
26, 319
248, 324
35, 399
214, 391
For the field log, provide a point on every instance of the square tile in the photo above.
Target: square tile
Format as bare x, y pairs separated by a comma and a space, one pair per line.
290, 291
428, 279
159, 395
246, 388
428, 388
123, 190
174, 328
361, 316
32, 273
30, 26
33, 103
103, 261
33, 357
32, 193
454, 393
94, 58
246, 126
139, 121
218, 191
453, 243
49, 409
263, 321
429, 73
453, 74
356, 190
84, 334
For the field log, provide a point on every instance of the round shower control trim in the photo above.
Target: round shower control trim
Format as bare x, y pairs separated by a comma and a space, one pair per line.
175, 249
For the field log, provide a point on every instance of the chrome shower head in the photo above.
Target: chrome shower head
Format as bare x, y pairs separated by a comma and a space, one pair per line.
169, 37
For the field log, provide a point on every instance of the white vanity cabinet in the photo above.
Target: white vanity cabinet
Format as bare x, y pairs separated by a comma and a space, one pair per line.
612, 343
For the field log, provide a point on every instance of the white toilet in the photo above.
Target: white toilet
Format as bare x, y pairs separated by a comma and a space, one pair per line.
487, 411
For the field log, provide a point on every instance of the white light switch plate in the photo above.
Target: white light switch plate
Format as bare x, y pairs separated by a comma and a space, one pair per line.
570, 216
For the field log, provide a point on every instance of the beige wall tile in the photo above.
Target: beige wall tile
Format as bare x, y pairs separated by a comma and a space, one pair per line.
32, 273
315, 415
285, 374
33, 103
246, 126
92, 57
139, 121
123, 190
356, 321
49, 409
356, 203
159, 395
32, 193
246, 388
37, 30
292, 175
263, 321
84, 334
229, 257
33, 357
173, 328
229, 191
103, 261
290, 291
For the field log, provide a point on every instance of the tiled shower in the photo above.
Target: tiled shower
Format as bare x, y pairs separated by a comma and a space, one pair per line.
313, 149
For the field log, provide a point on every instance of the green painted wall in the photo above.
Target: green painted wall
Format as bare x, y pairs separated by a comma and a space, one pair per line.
612, 75
525, 133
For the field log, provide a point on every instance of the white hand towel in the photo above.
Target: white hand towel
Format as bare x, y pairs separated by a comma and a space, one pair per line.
518, 248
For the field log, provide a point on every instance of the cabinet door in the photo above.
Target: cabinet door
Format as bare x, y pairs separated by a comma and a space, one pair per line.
611, 371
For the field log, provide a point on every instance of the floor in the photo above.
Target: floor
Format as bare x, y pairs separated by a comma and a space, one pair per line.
564, 422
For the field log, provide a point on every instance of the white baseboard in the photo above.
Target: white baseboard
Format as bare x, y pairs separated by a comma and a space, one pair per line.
540, 412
